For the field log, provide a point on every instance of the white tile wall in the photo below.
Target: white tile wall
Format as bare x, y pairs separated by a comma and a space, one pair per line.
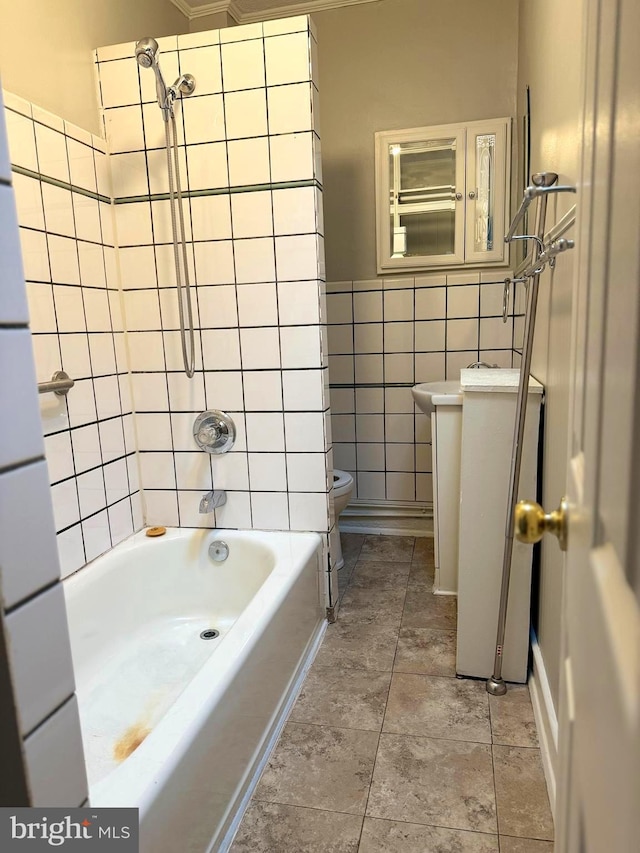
55, 760
73, 303
31, 600
385, 336
257, 274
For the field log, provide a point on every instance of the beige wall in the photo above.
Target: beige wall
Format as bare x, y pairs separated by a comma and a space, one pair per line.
550, 63
394, 64
216, 21
46, 45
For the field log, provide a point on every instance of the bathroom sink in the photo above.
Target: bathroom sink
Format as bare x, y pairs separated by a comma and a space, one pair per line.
425, 393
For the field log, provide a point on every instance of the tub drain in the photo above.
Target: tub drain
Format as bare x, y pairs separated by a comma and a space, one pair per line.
209, 634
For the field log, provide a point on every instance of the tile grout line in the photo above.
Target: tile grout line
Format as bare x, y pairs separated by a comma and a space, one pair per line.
389, 820
493, 771
386, 704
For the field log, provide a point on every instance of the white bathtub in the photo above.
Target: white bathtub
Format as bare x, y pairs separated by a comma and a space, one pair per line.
202, 711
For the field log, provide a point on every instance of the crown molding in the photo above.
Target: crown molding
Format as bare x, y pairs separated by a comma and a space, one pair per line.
235, 10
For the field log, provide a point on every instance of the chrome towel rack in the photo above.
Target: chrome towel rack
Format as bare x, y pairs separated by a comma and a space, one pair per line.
529, 194
59, 384
543, 254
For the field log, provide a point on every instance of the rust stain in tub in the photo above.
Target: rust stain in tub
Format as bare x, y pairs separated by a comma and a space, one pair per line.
130, 741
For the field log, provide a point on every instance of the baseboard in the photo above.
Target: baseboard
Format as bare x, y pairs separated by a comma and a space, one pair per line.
546, 719
391, 517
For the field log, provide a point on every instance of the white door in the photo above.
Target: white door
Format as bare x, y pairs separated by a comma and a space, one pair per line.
598, 808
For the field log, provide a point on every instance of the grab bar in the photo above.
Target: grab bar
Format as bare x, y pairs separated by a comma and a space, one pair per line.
59, 384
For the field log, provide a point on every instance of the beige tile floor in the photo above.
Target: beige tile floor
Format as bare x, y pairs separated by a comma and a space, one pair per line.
385, 751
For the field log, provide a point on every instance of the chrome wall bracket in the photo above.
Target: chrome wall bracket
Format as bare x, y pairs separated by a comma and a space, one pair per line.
59, 385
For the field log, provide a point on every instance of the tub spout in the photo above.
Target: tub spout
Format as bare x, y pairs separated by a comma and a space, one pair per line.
218, 497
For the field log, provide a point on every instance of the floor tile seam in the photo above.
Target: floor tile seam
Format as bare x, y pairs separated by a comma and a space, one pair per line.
359, 552
404, 624
411, 672
513, 745
348, 587
436, 737
363, 618
382, 623
311, 808
433, 737
523, 837
335, 667
495, 789
439, 826
365, 816
383, 593
458, 680
397, 571
439, 630
490, 719
363, 668
326, 726
443, 826
384, 714
333, 726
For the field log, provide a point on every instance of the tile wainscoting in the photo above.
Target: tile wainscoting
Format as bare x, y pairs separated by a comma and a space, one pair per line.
385, 335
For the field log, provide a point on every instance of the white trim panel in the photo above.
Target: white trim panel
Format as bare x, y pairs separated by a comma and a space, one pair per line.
546, 719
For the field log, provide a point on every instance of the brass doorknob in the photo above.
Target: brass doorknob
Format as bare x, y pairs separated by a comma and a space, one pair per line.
532, 522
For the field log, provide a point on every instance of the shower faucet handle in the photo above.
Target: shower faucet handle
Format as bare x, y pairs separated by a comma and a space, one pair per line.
214, 431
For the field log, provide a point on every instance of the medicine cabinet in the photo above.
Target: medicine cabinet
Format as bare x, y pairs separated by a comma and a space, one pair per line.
442, 195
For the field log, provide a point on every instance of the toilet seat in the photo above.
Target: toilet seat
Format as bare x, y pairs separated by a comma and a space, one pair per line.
342, 482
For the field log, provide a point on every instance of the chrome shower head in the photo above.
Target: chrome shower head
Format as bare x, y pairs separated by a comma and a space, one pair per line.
146, 52
147, 57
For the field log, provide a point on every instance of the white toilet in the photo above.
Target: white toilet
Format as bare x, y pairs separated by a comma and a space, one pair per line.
342, 491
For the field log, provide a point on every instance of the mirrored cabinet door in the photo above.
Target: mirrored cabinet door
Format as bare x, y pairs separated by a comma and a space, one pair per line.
422, 180
441, 195
485, 204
